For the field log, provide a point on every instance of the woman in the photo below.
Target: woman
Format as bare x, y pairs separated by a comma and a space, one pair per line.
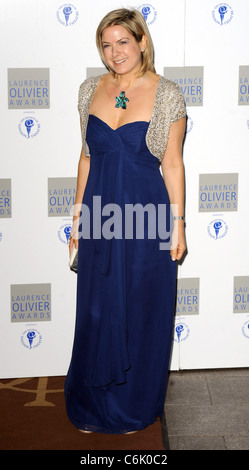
132, 121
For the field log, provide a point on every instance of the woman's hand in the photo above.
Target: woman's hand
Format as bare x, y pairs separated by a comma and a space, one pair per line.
178, 246
83, 171
74, 237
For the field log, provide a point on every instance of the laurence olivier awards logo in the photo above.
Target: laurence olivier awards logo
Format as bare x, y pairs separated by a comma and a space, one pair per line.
190, 80
241, 294
218, 192
222, 14
30, 302
95, 71
31, 338
29, 127
67, 14
243, 98
61, 196
5, 198
187, 296
149, 13
28, 88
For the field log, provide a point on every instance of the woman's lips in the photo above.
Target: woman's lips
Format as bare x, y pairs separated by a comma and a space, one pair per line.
118, 62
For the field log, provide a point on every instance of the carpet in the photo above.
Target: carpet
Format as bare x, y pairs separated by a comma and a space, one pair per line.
33, 417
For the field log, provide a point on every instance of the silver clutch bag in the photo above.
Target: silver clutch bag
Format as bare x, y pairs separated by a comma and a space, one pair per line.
73, 260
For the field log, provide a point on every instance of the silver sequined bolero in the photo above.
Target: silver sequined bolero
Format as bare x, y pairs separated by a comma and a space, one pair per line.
169, 107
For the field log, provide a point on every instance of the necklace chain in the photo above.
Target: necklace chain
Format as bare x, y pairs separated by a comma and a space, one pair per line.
131, 89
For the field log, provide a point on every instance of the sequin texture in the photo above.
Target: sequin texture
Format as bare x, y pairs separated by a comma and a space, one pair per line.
169, 107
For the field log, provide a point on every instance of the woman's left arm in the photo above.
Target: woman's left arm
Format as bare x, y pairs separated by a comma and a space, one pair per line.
173, 175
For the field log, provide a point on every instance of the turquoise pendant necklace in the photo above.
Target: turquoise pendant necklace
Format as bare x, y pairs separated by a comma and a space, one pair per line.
122, 100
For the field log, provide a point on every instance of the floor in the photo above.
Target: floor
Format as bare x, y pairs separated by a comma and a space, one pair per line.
207, 410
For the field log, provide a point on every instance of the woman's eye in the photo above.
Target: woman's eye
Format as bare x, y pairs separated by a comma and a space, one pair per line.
105, 46
123, 42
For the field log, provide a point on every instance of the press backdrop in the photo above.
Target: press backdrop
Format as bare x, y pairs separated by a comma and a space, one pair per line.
48, 49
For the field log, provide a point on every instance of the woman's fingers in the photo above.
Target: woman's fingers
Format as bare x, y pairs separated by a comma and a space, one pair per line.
178, 242
173, 254
177, 253
70, 246
73, 242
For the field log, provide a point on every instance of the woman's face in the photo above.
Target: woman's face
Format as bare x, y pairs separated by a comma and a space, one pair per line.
121, 50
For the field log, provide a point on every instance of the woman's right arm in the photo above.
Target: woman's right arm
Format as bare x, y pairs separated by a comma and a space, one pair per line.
83, 171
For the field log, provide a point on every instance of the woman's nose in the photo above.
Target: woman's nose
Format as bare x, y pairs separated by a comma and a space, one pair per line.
115, 50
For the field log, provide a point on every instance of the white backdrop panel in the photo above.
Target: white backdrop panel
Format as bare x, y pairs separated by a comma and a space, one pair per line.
33, 246
217, 144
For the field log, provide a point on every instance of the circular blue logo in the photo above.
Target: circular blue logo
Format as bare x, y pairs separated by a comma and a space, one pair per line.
67, 14
64, 233
245, 329
29, 127
31, 339
222, 14
149, 13
190, 124
181, 332
217, 229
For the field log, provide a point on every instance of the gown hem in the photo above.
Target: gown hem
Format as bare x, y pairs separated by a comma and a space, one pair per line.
101, 430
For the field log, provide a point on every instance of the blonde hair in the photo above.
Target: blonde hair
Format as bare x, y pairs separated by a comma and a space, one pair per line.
134, 22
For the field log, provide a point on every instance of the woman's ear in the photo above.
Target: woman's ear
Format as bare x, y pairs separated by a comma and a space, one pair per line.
143, 43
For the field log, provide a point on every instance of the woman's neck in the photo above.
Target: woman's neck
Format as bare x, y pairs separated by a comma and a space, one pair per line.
128, 81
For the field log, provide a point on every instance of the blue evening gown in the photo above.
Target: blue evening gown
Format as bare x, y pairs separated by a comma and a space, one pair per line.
116, 381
